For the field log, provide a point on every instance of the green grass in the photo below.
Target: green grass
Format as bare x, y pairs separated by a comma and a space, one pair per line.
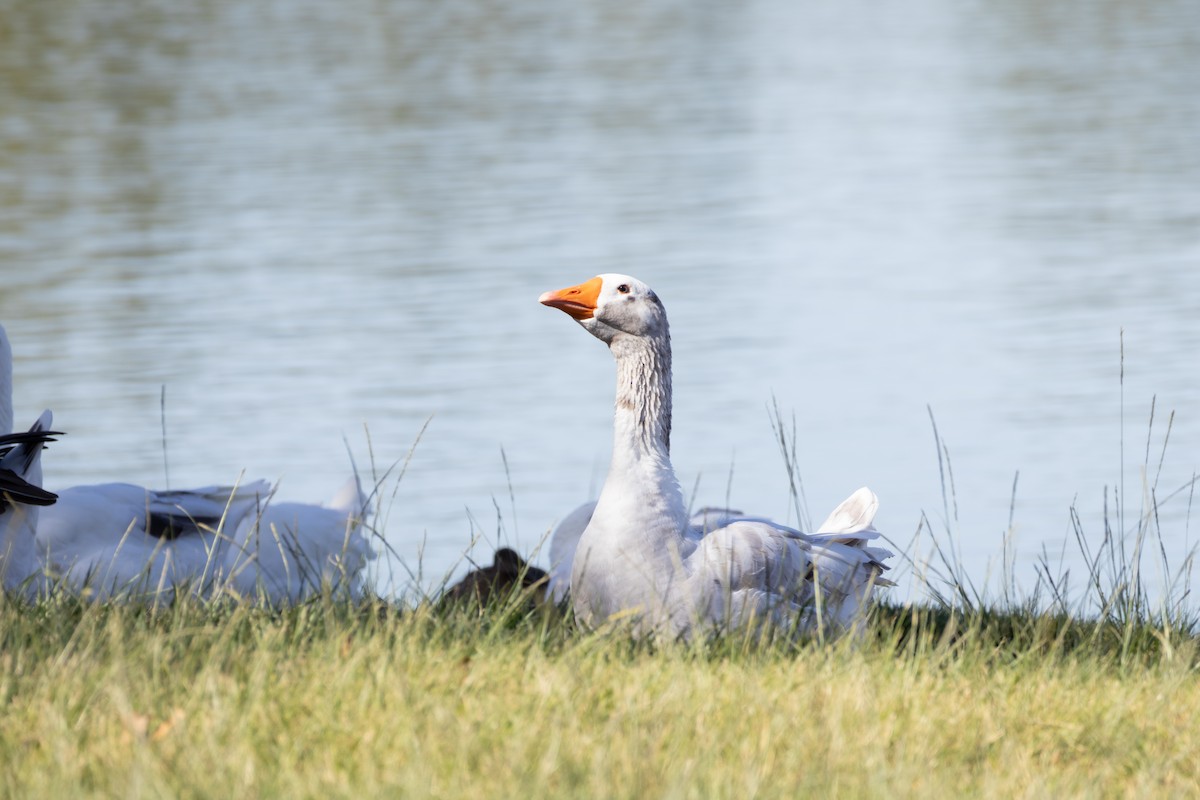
1085, 690
327, 699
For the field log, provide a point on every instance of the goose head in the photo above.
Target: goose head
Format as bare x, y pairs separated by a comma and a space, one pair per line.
611, 306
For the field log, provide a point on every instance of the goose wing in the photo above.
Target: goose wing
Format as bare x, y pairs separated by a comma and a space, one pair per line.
116, 538
564, 541
756, 566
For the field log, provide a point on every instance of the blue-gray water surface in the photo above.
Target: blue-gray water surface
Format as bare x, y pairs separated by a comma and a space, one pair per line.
302, 224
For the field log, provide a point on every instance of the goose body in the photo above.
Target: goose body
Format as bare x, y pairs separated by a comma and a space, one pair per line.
118, 539
288, 550
641, 559
564, 540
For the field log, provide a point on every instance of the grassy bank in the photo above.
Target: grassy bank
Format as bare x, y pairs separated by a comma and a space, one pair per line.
1086, 688
329, 700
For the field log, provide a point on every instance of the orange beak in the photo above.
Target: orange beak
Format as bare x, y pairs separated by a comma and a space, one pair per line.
578, 301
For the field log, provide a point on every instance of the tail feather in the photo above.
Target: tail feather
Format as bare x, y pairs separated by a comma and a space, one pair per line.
19, 456
855, 515
350, 499
20, 481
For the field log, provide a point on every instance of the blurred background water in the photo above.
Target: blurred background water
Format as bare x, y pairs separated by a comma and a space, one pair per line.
302, 220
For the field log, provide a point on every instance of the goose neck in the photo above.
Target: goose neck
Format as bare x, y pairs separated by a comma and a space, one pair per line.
643, 399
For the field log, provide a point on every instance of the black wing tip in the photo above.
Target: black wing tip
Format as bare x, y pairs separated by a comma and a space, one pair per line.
16, 490
9, 441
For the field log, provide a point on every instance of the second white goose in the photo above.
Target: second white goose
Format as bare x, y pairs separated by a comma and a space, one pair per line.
117, 539
639, 558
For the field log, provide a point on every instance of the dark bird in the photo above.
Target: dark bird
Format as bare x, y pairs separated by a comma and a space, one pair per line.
507, 574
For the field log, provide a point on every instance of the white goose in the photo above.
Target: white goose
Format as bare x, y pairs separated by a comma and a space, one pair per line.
640, 559
117, 539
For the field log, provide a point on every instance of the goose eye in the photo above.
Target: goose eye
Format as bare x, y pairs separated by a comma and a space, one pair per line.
623, 288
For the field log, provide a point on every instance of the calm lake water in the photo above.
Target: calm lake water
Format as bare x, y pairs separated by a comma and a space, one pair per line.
309, 220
